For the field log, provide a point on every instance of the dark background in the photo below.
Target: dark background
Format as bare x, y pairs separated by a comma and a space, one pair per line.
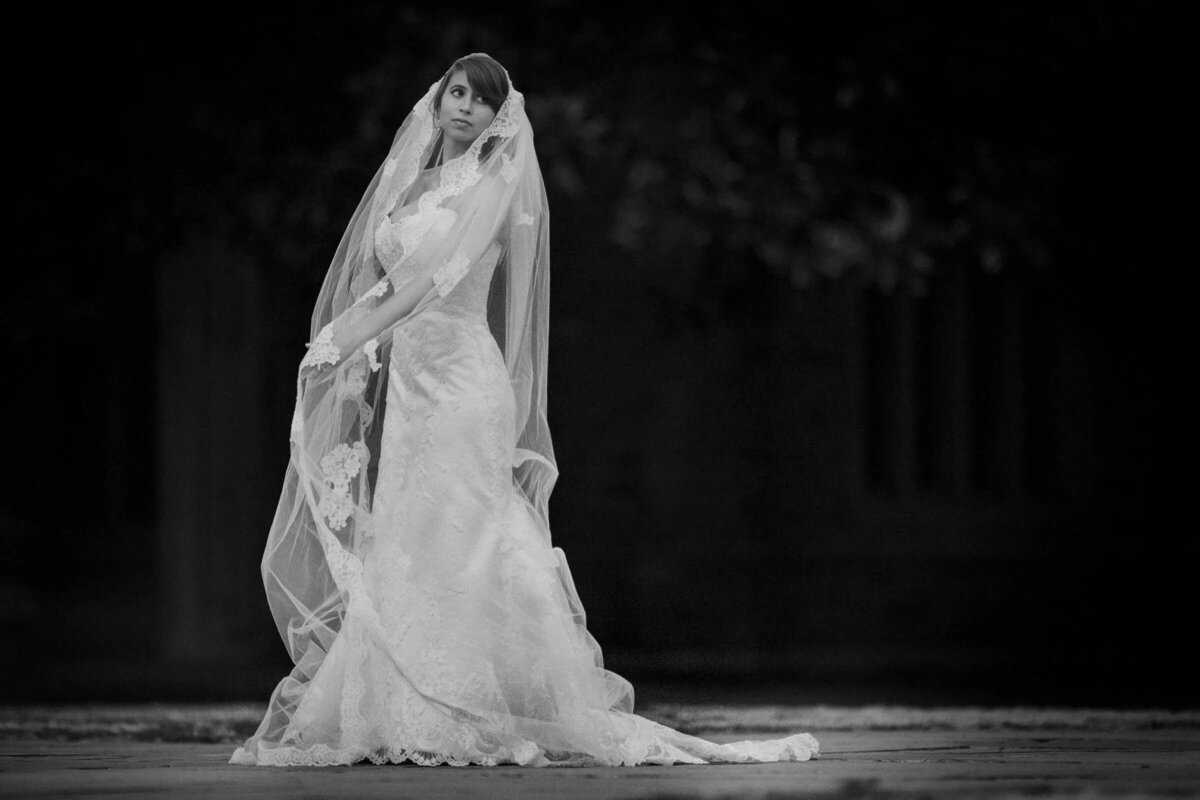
866, 345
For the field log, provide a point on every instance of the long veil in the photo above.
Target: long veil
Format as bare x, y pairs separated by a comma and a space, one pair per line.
513, 675
490, 196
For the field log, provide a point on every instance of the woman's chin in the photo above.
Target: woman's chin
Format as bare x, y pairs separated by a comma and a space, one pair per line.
462, 138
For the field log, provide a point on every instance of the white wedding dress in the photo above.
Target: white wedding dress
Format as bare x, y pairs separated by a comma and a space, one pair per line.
464, 641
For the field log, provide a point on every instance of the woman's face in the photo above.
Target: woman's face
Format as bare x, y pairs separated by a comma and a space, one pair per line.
464, 114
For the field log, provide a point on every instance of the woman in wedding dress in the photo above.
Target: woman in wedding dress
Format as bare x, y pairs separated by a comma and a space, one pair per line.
409, 566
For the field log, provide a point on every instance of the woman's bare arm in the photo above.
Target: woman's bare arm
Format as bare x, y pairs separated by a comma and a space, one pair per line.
349, 338
386, 314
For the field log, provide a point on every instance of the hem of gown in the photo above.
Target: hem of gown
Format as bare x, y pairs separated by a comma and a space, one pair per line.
325, 756
797, 747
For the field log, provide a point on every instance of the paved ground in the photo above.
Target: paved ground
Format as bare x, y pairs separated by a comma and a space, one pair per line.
867, 753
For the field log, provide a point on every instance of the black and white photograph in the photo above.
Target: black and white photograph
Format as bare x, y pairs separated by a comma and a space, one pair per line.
560, 400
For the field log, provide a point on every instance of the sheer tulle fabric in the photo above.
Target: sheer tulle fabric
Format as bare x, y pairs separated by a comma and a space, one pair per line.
409, 567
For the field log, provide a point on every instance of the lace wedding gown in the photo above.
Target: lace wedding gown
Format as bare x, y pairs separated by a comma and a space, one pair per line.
464, 641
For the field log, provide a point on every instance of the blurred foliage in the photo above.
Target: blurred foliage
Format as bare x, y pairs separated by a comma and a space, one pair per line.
864, 166
745, 178
868, 143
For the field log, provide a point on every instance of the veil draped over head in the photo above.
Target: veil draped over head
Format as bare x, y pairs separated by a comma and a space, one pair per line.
510, 673
490, 197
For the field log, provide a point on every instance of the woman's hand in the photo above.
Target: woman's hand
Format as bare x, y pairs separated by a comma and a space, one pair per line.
333, 352
323, 355
315, 371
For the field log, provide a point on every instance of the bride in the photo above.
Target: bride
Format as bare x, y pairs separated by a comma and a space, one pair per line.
409, 567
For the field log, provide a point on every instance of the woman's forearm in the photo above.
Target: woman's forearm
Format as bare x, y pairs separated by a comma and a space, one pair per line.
386, 314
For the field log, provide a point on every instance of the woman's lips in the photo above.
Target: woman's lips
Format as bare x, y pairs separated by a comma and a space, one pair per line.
462, 123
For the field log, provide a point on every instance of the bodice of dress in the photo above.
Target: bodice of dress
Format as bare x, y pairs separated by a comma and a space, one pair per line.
400, 234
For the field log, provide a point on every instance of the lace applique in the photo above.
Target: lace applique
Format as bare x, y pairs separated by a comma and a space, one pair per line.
369, 348
413, 228
340, 465
459, 174
525, 219
389, 167
450, 274
378, 290
509, 170
321, 350
505, 123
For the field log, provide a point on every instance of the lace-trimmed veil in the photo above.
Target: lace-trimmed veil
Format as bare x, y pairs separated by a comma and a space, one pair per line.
491, 195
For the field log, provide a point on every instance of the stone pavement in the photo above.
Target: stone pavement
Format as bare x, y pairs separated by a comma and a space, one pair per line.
866, 753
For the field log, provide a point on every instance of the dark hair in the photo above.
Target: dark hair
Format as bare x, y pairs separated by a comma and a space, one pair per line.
485, 76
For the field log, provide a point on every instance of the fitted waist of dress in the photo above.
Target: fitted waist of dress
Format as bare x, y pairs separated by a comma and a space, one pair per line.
458, 316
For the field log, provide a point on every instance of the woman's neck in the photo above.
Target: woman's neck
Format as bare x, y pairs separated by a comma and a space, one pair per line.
452, 149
